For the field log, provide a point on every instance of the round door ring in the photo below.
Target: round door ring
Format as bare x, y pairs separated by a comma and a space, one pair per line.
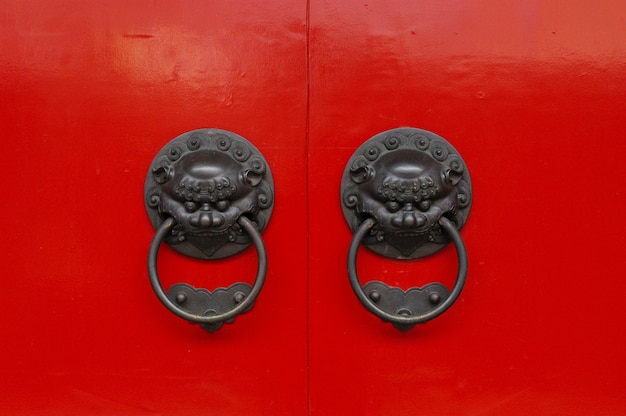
240, 295
436, 295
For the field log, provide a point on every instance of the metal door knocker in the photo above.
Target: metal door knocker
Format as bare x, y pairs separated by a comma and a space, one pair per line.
209, 194
406, 193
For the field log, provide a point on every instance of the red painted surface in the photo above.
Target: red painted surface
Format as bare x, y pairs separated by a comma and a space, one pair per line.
90, 93
532, 94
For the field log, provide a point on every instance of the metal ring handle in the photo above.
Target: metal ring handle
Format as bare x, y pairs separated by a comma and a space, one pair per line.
160, 235
399, 319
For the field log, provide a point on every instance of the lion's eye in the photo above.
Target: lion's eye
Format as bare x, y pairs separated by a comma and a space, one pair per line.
392, 206
222, 205
191, 206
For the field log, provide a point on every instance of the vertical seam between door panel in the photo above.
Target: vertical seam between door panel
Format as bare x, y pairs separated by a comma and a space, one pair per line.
306, 199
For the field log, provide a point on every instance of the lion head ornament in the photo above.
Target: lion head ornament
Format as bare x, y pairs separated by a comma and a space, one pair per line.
406, 179
206, 180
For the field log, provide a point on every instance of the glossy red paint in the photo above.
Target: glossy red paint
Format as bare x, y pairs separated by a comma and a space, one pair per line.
531, 94
90, 93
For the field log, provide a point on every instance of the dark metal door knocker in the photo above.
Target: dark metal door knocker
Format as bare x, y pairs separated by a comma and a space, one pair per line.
405, 194
209, 194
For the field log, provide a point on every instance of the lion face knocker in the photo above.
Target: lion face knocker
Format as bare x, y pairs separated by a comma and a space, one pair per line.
406, 179
206, 180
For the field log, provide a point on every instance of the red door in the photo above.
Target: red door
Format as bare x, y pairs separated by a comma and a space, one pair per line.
90, 93
530, 93
533, 96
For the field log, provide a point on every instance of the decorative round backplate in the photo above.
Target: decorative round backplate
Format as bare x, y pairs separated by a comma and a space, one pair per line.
406, 179
206, 179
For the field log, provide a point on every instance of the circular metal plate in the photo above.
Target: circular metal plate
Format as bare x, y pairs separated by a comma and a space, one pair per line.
206, 179
406, 179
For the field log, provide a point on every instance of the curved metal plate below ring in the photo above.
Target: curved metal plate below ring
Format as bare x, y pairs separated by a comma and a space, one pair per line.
415, 301
206, 302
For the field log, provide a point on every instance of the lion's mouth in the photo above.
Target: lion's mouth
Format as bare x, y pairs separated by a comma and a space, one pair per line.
412, 233
209, 232
203, 232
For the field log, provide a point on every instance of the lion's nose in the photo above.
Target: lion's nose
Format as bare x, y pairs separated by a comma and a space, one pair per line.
408, 220
206, 219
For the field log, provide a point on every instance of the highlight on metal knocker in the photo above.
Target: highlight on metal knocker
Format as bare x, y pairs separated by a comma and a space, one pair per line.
209, 194
405, 194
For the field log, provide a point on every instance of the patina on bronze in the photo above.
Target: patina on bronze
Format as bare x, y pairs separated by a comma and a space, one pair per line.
205, 180
405, 194
209, 194
406, 179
